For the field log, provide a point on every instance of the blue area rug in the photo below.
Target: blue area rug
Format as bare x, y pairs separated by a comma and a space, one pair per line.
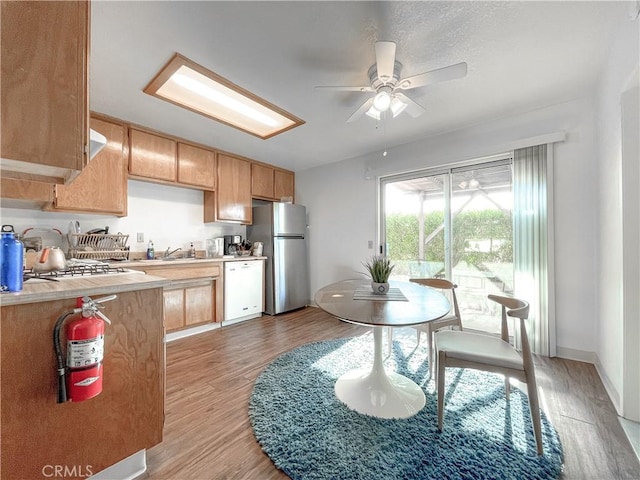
310, 434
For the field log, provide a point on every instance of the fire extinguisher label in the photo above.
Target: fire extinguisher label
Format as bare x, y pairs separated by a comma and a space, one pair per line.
87, 381
83, 353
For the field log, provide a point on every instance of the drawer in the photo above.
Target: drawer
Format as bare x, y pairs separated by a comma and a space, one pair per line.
181, 272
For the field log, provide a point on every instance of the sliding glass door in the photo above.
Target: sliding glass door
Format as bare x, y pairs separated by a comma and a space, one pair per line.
413, 225
454, 224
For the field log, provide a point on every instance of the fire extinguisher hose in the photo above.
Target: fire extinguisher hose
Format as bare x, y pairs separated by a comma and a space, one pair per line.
62, 381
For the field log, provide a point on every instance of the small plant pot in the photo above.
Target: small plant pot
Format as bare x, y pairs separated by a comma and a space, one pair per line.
380, 288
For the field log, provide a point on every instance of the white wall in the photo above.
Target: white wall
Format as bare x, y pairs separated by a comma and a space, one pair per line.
619, 74
341, 211
343, 217
170, 216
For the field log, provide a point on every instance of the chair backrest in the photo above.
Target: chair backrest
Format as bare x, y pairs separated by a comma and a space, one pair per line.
441, 284
514, 307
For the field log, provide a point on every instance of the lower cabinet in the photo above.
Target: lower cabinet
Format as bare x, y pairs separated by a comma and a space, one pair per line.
195, 295
86, 437
188, 303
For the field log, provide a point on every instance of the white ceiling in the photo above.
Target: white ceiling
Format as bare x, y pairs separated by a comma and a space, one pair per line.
521, 56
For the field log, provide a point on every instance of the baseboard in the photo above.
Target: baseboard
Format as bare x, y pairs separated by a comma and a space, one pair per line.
130, 468
577, 355
241, 319
632, 431
609, 387
187, 332
592, 357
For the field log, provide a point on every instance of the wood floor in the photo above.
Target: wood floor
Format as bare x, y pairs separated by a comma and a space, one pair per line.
210, 377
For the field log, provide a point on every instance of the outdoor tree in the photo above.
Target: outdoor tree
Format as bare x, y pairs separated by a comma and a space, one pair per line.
479, 236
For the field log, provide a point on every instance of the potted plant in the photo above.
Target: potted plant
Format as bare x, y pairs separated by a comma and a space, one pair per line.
379, 268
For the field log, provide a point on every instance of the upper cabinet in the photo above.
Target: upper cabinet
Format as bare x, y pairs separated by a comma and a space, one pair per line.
100, 188
44, 104
159, 158
283, 185
268, 183
25, 193
102, 185
196, 166
152, 156
261, 181
232, 199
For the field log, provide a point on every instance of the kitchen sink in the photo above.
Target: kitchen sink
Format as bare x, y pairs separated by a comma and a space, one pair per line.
170, 259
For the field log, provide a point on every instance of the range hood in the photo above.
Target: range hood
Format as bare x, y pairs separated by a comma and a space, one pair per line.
97, 142
47, 173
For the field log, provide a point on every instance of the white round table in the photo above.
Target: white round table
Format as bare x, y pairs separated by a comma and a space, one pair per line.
373, 391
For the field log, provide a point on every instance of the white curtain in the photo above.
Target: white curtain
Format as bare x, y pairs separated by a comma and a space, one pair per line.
533, 243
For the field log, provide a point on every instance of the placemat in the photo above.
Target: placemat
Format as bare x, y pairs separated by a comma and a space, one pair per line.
365, 293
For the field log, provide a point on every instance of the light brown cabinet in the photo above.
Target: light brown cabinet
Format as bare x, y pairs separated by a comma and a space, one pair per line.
195, 296
44, 51
102, 185
198, 303
100, 188
131, 400
25, 193
173, 308
188, 303
283, 185
196, 166
269, 183
152, 156
232, 199
262, 181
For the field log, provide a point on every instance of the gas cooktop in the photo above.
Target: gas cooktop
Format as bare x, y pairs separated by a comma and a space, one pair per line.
76, 268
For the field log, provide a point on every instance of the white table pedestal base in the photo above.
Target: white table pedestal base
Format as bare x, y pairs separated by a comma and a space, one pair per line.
376, 393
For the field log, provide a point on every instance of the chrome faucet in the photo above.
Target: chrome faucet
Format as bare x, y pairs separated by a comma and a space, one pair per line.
168, 253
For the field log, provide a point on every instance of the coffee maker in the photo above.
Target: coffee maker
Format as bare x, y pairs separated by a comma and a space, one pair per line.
231, 243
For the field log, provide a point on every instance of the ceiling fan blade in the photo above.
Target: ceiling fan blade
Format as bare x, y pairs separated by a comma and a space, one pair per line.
363, 108
385, 60
412, 108
451, 72
344, 88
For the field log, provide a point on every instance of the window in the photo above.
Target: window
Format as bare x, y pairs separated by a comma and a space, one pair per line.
454, 223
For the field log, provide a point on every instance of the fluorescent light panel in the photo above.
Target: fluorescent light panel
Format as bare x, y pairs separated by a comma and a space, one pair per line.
189, 85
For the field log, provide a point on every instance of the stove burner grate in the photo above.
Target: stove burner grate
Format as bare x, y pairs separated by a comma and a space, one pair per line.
77, 270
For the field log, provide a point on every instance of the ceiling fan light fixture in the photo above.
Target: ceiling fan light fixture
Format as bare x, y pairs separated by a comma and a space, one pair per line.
374, 113
382, 100
397, 106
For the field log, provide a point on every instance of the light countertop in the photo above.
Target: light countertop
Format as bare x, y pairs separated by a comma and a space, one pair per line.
35, 291
183, 261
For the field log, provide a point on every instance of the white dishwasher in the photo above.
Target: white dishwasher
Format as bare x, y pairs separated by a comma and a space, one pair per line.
243, 290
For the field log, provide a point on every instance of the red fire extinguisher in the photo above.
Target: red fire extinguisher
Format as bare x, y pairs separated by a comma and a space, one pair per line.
81, 377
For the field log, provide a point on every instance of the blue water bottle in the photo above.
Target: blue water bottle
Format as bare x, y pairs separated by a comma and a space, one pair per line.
12, 260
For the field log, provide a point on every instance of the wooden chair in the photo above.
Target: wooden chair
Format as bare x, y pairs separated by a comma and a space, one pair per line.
451, 320
491, 354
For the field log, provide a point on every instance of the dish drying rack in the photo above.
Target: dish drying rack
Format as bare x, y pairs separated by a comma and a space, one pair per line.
98, 246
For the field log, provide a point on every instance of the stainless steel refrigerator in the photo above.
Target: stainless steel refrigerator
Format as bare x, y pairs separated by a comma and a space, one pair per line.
282, 228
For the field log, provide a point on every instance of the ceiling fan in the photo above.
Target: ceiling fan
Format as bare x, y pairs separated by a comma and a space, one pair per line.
386, 83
